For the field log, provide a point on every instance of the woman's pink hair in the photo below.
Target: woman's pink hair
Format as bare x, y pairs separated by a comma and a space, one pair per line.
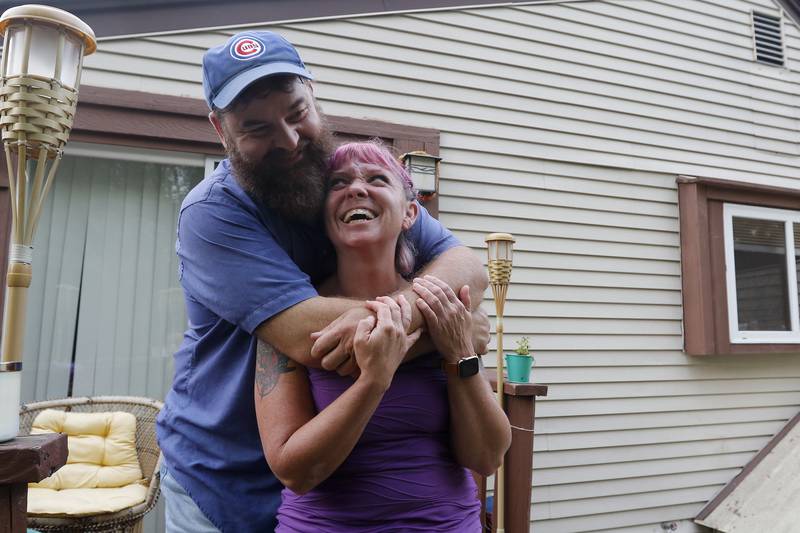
374, 152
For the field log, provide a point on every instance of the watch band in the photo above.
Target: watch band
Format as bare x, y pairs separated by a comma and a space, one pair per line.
464, 368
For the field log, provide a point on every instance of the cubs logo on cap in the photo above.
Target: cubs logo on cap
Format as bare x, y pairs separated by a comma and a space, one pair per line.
247, 48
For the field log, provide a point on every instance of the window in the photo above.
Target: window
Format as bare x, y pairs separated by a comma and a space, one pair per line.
739, 267
212, 161
106, 311
761, 273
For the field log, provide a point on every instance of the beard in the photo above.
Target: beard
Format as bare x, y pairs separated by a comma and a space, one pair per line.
295, 191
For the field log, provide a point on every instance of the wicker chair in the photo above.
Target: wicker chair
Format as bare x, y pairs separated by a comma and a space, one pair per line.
127, 520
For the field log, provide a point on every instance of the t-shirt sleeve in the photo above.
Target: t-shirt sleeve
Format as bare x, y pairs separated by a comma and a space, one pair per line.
233, 266
430, 238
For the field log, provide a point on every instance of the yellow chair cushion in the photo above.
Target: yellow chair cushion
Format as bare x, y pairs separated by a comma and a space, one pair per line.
102, 470
82, 502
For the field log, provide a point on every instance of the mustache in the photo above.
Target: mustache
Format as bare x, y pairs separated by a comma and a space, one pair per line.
279, 157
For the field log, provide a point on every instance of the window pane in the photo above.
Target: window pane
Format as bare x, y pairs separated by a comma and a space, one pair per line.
796, 231
761, 285
106, 310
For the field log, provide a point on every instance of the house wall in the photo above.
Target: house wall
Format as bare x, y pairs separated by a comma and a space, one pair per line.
566, 124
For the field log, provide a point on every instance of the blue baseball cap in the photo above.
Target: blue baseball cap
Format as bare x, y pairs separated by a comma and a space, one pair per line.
247, 57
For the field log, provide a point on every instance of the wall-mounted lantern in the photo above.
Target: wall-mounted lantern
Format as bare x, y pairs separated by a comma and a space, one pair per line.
424, 171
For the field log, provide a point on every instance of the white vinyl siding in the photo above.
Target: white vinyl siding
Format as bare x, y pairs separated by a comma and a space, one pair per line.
566, 124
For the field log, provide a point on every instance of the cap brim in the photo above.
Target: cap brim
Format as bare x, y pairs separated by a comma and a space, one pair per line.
232, 89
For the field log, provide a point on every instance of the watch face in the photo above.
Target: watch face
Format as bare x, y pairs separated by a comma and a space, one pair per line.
468, 366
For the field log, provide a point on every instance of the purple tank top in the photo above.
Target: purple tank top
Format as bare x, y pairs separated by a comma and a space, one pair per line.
401, 475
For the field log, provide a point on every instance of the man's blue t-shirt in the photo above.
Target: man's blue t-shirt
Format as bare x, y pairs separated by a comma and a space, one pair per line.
240, 264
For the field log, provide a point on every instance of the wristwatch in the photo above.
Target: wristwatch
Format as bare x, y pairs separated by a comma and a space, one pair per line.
466, 367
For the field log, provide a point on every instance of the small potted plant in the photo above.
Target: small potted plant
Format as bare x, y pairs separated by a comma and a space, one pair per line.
519, 362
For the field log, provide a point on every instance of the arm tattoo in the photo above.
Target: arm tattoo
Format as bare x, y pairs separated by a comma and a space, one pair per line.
270, 364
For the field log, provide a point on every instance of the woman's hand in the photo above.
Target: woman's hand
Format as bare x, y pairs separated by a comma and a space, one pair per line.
479, 430
448, 318
381, 342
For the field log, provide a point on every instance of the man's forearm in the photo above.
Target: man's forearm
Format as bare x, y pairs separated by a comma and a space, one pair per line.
290, 330
423, 345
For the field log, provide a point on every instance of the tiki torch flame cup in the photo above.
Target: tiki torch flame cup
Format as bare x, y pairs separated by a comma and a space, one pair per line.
43, 49
500, 247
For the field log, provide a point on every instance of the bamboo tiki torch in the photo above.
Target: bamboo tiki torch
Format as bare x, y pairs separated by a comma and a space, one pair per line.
43, 49
500, 247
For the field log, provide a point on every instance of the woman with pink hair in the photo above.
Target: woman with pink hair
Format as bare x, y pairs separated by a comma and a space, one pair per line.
389, 449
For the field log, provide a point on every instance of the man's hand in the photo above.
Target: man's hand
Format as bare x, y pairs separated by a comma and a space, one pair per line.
480, 331
333, 345
447, 316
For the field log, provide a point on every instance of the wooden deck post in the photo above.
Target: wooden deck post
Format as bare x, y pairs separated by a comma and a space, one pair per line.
520, 406
25, 460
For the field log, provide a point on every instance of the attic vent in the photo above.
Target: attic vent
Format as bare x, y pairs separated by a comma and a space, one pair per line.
768, 38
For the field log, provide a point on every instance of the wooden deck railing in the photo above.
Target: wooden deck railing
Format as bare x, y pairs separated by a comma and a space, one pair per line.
520, 406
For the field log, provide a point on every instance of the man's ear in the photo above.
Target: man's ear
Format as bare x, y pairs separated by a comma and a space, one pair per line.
412, 212
215, 121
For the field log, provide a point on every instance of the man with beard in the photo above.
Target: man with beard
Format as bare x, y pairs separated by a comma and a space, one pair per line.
251, 246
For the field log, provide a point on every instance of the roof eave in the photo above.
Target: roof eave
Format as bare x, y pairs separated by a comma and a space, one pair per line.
792, 7
114, 18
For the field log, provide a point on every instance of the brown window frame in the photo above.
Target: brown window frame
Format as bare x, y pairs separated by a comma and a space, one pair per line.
172, 123
705, 298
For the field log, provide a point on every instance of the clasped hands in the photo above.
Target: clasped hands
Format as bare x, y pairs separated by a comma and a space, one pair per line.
377, 326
